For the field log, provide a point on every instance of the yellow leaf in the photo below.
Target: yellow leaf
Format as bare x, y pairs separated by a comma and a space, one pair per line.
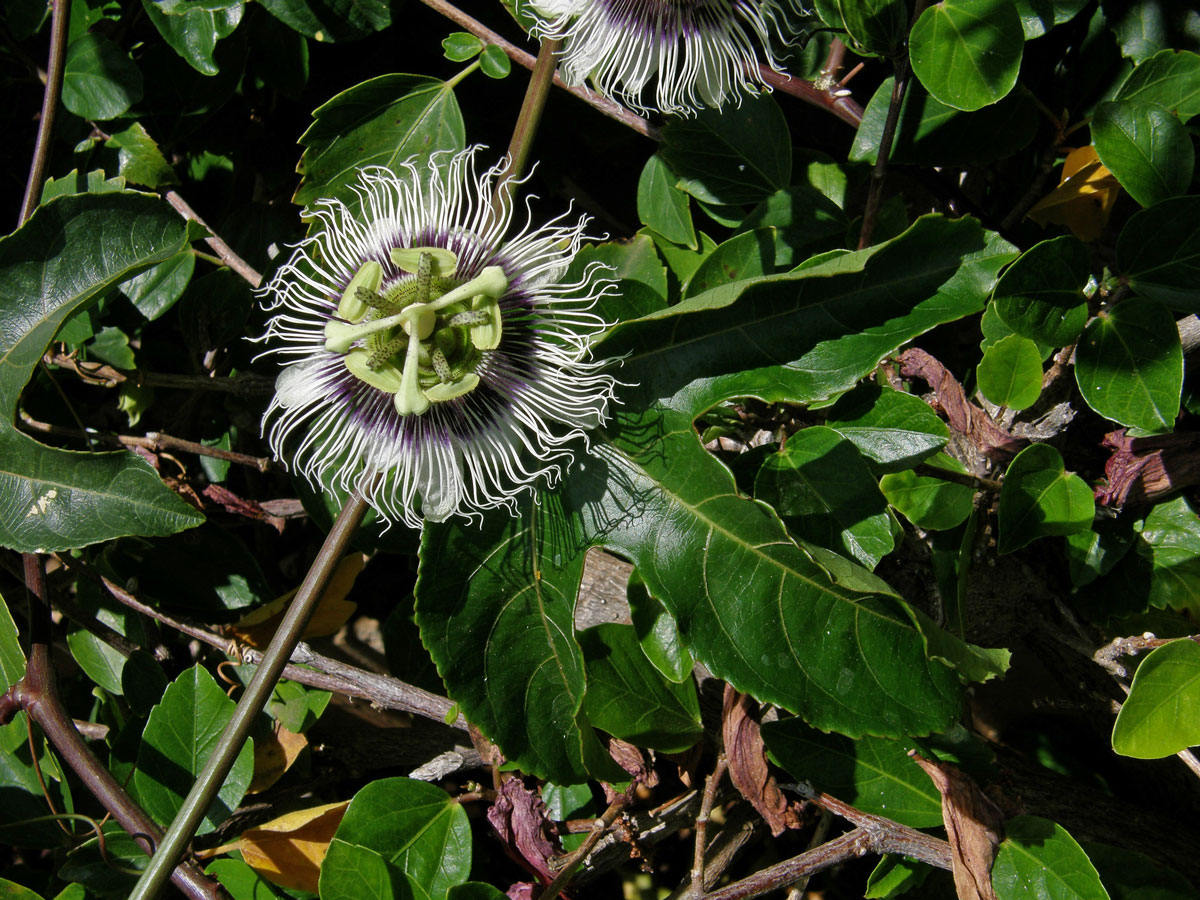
256, 628
288, 851
273, 756
1083, 199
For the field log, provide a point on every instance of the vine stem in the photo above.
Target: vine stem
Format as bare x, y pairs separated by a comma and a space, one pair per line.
277, 654
60, 22
599, 828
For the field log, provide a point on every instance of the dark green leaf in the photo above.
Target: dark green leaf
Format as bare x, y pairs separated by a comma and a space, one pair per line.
70, 252
872, 774
475, 890
803, 221
628, 698
1128, 875
875, 26
1091, 554
658, 634
739, 154
1145, 147
100, 662
748, 255
100, 81
893, 429
681, 261
931, 133
332, 20
109, 869
242, 882
664, 207
1040, 498
76, 182
415, 827
181, 733
1040, 296
155, 291
461, 46
928, 502
1170, 79
194, 33
1039, 16
1161, 715
1139, 26
385, 121
1170, 540
967, 53
1159, 252
502, 635
1129, 365
823, 489
895, 876
10, 890
1010, 373
1040, 859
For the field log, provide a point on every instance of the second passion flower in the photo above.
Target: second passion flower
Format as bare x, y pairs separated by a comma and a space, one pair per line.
434, 363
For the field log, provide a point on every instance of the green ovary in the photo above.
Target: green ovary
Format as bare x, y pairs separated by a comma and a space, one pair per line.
421, 339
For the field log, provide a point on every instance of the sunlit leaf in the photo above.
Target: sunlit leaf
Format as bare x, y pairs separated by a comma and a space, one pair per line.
1083, 199
1161, 715
1039, 858
1039, 498
1147, 149
967, 52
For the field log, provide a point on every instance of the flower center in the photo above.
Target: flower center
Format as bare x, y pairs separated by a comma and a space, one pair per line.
422, 338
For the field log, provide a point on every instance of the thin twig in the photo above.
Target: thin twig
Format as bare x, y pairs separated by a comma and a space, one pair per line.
154, 441
222, 249
598, 829
967, 480
835, 100
706, 805
59, 27
246, 384
608, 107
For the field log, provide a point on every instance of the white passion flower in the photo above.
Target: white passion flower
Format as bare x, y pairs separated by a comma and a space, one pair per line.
433, 364
704, 52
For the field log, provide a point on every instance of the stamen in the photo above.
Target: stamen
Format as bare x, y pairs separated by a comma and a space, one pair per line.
440, 365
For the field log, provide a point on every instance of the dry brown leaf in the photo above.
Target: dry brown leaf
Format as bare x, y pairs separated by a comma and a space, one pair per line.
273, 756
288, 851
747, 758
522, 823
974, 827
1083, 199
257, 628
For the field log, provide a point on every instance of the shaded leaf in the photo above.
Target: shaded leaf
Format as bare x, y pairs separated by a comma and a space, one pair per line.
100, 81
664, 207
747, 255
892, 429
931, 503
332, 20
1039, 498
1170, 79
1145, 147
194, 32
1040, 296
1159, 252
522, 823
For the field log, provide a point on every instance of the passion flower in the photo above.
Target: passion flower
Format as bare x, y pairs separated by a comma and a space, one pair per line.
433, 363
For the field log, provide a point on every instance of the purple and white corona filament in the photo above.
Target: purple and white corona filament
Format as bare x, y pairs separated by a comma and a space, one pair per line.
422, 345
705, 52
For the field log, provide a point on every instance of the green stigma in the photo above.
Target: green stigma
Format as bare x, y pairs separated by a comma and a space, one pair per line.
422, 338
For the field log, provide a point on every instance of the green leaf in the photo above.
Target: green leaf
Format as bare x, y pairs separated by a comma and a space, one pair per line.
892, 429
194, 33
1170, 79
972, 662
1170, 540
332, 20
658, 634
70, 252
351, 872
1159, 252
1039, 16
241, 881
803, 220
1129, 875
10, 890
76, 182
99, 661
823, 489
739, 154
385, 121
627, 697
894, 876
1129, 365
139, 159
967, 53
502, 635
664, 207
111, 345
1145, 147
157, 289
930, 503
417, 829
494, 62
747, 255
871, 774
108, 869
1161, 715
1040, 859
1010, 373
1040, 296
875, 26
181, 733
930, 132
100, 81
1039, 498
461, 46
